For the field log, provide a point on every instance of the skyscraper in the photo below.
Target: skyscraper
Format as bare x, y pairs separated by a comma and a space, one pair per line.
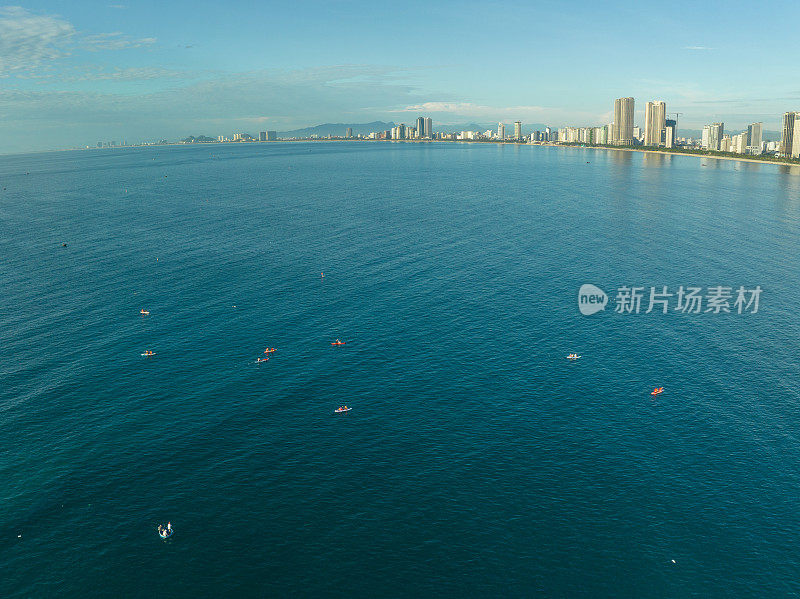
623, 122
785, 149
518, 130
754, 134
421, 127
428, 127
670, 133
501, 130
348, 133
705, 137
712, 136
655, 115
717, 132
272, 135
739, 143
262, 136
795, 150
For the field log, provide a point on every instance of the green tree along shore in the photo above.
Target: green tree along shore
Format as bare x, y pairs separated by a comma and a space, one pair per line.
694, 151
766, 158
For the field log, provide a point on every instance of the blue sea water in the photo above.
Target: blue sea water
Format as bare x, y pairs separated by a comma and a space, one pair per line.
476, 461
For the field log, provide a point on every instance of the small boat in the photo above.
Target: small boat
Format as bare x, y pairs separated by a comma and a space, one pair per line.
165, 532
573, 357
149, 353
657, 391
259, 360
338, 342
342, 409
145, 312
269, 350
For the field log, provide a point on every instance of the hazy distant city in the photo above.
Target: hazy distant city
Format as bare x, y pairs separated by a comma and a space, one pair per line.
660, 131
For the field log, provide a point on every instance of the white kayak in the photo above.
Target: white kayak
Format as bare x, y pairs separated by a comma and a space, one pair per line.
339, 410
153, 354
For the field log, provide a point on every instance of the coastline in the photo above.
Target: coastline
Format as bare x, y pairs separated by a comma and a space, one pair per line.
442, 141
663, 152
608, 148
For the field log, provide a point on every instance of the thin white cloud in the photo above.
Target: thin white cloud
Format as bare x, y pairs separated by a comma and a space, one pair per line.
28, 40
114, 41
287, 97
472, 110
697, 48
100, 73
31, 43
461, 112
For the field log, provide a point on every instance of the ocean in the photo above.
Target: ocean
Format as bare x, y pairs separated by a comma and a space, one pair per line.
476, 460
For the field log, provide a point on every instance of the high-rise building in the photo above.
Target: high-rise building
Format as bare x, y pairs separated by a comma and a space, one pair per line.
655, 115
787, 135
754, 131
501, 131
421, 127
605, 135
262, 136
272, 136
670, 133
712, 136
738, 143
622, 134
348, 133
428, 128
518, 130
717, 130
547, 133
795, 151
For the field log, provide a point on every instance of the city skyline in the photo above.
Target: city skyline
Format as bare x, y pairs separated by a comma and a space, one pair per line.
75, 74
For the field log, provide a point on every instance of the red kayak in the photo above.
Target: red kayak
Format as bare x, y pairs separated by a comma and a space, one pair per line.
657, 391
337, 342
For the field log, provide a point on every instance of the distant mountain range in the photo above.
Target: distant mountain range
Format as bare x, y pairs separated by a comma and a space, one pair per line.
526, 128
337, 129
202, 138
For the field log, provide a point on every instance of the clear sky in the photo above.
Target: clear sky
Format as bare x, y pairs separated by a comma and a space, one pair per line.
79, 71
